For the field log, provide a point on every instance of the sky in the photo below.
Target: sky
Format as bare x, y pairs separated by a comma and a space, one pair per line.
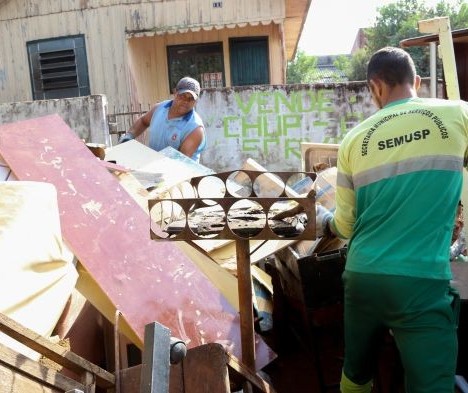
332, 25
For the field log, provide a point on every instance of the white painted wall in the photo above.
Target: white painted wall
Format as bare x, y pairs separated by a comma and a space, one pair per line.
268, 123
85, 115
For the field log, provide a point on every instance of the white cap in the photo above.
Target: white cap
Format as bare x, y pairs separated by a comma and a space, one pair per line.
188, 85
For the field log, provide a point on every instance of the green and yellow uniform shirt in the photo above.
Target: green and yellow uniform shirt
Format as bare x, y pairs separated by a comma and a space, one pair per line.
400, 175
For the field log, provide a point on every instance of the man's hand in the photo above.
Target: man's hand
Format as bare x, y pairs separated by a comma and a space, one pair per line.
288, 213
323, 217
128, 136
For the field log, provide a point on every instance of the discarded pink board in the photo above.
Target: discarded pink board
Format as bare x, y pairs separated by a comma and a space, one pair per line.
110, 235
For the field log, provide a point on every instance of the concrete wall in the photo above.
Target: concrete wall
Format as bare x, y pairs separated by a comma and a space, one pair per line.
268, 123
85, 115
265, 123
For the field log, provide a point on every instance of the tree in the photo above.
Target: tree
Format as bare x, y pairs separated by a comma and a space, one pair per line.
302, 69
398, 21
354, 67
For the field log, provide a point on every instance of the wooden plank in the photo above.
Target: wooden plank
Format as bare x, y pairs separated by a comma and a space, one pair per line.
258, 384
14, 382
130, 379
209, 368
26, 375
89, 381
54, 352
205, 370
244, 278
109, 234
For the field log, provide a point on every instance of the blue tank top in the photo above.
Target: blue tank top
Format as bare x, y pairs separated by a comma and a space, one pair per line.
165, 132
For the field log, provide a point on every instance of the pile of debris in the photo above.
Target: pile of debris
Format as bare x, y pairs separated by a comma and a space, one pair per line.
77, 243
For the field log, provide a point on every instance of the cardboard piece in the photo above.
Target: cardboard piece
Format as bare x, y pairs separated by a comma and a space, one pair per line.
161, 170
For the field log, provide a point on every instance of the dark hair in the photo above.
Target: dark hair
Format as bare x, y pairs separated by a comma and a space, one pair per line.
392, 65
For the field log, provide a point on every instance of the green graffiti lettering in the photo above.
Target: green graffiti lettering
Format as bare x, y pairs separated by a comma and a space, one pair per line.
320, 101
291, 121
301, 103
250, 144
247, 107
281, 99
263, 102
292, 147
320, 123
226, 121
326, 100
271, 131
251, 126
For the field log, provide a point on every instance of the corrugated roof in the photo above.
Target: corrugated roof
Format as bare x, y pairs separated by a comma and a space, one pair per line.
330, 74
460, 35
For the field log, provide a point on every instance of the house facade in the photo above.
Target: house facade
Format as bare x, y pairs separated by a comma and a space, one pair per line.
134, 51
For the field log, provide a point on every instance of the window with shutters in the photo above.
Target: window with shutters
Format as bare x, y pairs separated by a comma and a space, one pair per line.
58, 68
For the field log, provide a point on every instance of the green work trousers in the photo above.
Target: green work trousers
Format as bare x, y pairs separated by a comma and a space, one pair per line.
422, 315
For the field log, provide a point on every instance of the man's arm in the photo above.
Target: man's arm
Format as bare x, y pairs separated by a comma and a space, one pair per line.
143, 122
139, 126
342, 224
190, 144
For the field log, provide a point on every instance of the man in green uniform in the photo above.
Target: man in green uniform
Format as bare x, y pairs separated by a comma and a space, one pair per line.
399, 182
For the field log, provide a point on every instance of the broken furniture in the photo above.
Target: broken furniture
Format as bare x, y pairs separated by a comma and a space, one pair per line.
313, 154
237, 225
308, 302
206, 368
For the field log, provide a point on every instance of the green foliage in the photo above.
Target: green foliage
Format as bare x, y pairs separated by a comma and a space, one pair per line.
342, 62
357, 68
398, 21
395, 22
302, 69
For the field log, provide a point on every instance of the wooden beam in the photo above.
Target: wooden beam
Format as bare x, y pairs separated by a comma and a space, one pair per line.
55, 352
244, 278
238, 368
21, 369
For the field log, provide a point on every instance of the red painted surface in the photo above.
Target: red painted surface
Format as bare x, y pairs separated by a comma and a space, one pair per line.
110, 234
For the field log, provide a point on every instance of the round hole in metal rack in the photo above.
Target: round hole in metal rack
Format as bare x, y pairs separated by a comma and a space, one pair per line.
207, 220
246, 218
211, 187
239, 184
287, 227
167, 219
268, 185
299, 183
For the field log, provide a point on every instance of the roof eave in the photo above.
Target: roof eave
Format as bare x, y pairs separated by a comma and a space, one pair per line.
458, 36
296, 15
